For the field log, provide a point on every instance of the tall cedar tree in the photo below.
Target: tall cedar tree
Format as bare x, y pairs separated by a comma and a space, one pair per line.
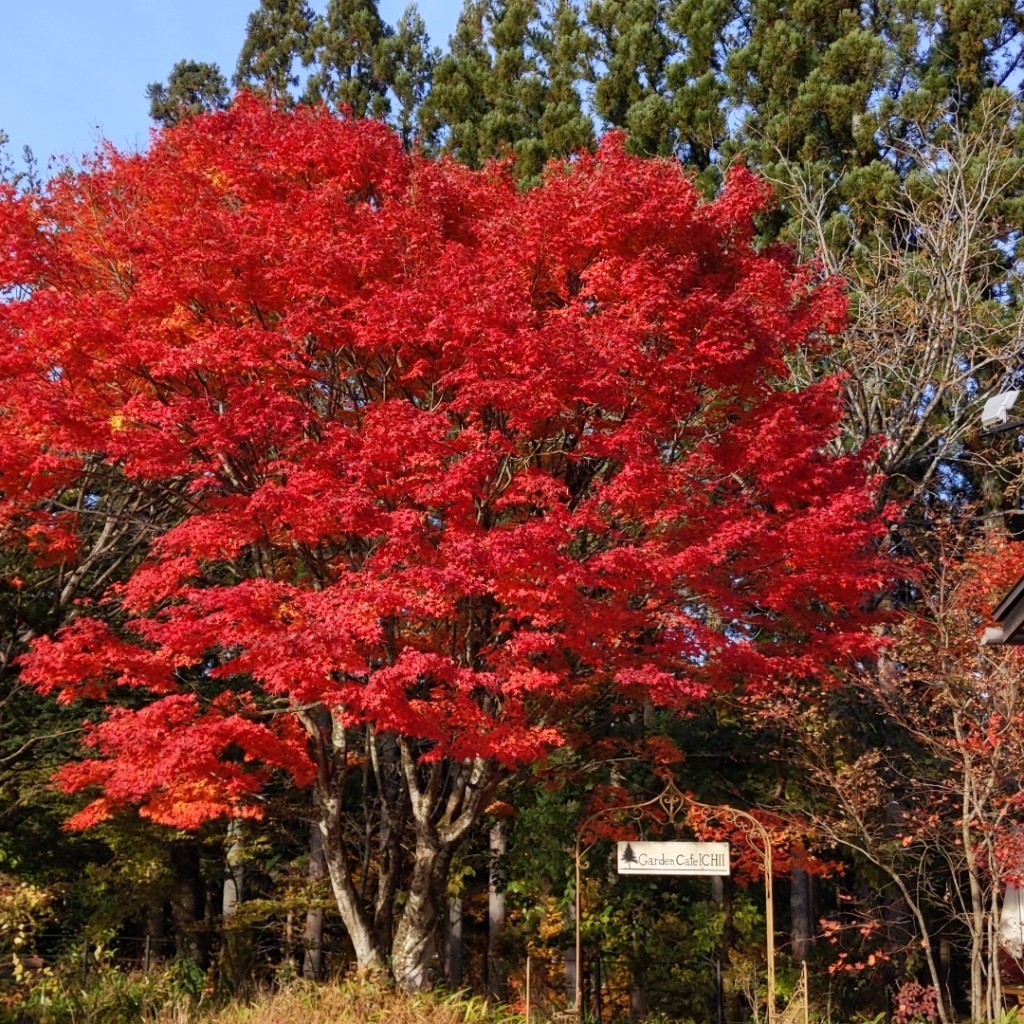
459, 97
410, 61
510, 85
192, 87
277, 41
451, 462
348, 51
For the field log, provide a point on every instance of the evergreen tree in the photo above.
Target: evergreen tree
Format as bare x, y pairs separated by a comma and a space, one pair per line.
566, 50
846, 92
701, 31
277, 38
510, 85
974, 45
459, 98
805, 77
516, 90
348, 51
410, 62
192, 87
632, 86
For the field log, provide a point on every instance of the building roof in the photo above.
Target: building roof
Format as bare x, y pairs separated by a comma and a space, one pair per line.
1009, 613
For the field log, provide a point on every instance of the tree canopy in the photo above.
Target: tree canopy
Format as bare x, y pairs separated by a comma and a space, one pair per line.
438, 462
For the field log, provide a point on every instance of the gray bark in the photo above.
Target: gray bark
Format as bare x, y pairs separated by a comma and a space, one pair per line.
413, 950
455, 952
443, 811
313, 938
236, 951
441, 800
496, 981
234, 875
801, 913
330, 745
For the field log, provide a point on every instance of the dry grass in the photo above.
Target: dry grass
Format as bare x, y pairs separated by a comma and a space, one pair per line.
350, 1003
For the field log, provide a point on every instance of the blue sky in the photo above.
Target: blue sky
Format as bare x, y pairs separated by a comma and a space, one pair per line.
73, 72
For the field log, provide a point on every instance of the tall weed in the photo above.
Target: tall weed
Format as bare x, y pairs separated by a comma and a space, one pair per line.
352, 1002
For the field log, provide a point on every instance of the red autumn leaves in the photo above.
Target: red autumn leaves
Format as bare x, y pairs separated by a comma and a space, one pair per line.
443, 456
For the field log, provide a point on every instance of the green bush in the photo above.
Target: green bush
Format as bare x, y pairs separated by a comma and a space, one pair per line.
107, 995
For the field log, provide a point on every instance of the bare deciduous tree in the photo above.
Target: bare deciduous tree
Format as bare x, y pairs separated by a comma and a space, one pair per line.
929, 264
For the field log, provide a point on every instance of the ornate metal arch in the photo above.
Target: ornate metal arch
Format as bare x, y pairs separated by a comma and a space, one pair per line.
671, 807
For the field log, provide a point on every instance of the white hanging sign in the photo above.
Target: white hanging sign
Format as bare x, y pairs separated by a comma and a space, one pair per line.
650, 858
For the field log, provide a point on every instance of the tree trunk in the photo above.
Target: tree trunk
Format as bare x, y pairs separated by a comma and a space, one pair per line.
976, 914
496, 982
155, 932
924, 932
454, 952
414, 946
800, 913
721, 890
638, 1004
445, 800
313, 938
350, 906
236, 951
330, 744
393, 811
187, 903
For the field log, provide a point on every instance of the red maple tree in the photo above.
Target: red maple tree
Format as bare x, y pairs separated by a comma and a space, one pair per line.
444, 461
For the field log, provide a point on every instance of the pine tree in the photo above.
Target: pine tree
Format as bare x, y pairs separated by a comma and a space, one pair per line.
701, 31
192, 87
515, 88
510, 85
348, 51
410, 61
566, 51
845, 92
806, 76
277, 38
458, 99
633, 55
968, 46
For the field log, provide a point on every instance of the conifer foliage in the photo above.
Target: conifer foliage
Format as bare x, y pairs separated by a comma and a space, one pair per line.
449, 461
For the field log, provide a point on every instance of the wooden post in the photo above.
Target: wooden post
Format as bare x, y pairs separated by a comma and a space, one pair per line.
577, 994
527, 988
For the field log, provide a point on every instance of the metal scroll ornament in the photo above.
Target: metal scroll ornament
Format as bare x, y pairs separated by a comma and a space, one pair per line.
671, 807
